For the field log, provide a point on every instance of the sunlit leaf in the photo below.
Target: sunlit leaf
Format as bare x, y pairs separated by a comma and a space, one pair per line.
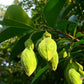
16, 16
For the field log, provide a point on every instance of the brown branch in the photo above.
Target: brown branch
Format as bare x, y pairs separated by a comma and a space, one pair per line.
68, 35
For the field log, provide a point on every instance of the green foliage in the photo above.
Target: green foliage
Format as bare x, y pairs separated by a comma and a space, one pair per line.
54, 26
20, 19
52, 11
39, 73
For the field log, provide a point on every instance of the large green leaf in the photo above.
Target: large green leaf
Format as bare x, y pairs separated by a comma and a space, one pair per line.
39, 73
8, 32
52, 11
16, 16
18, 47
62, 25
66, 26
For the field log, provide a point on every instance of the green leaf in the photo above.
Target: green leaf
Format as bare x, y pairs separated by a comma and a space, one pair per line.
16, 16
79, 42
79, 34
64, 41
62, 25
66, 26
8, 32
18, 47
39, 73
52, 11
37, 36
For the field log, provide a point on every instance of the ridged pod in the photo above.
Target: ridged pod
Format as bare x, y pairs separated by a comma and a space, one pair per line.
47, 48
29, 61
54, 61
74, 77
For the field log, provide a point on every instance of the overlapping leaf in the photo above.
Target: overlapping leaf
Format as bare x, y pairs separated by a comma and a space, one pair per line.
8, 32
52, 11
17, 22
16, 16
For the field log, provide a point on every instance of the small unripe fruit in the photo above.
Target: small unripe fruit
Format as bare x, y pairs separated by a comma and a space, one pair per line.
47, 48
29, 61
54, 61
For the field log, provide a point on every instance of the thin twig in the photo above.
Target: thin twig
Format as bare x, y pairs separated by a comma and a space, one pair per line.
68, 35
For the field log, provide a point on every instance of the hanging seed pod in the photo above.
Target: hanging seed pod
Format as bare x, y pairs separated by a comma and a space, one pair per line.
74, 77
29, 61
54, 61
72, 69
47, 48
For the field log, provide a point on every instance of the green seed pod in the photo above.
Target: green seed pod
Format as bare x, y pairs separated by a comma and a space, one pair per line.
77, 68
47, 48
29, 61
54, 61
74, 77
46, 35
29, 43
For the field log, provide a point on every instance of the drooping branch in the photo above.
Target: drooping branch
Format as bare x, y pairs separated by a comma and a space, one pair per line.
68, 35
55, 30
